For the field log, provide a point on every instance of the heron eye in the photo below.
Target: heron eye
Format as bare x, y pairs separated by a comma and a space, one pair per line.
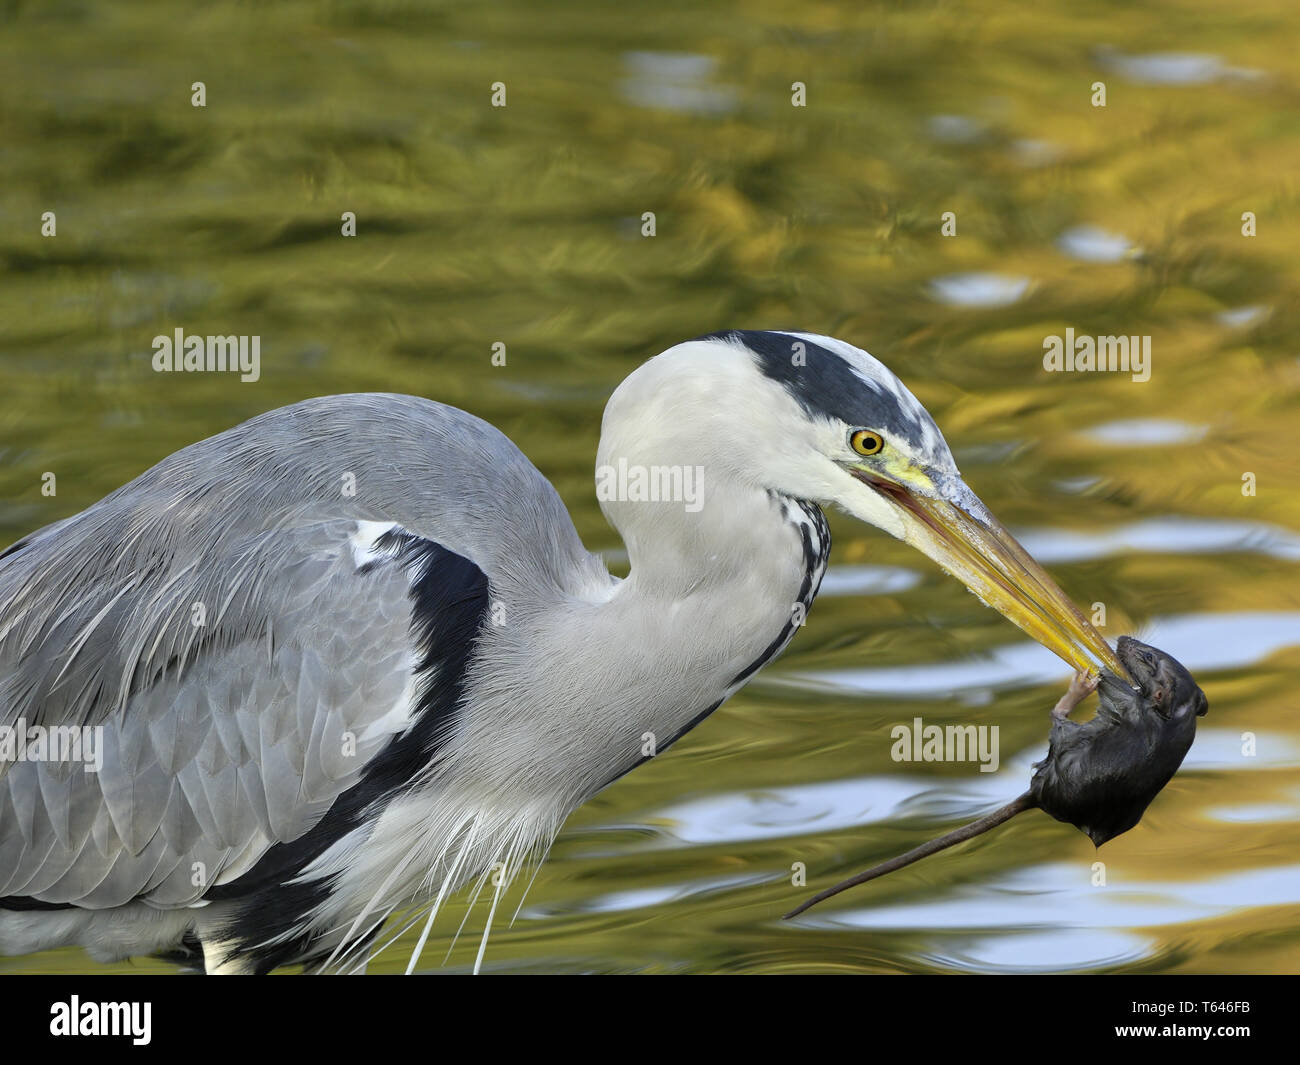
865, 442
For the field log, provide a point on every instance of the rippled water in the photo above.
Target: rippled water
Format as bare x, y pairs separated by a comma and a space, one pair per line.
523, 225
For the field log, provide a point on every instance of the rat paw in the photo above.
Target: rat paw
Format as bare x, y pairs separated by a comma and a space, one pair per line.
1081, 686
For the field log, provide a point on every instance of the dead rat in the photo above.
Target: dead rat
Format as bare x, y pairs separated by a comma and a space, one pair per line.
1099, 776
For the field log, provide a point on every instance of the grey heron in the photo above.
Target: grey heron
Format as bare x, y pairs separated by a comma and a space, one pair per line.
351, 656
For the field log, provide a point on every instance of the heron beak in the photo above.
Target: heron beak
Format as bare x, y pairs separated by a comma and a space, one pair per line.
952, 526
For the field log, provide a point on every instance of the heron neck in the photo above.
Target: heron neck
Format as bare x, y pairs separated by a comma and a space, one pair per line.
712, 595
733, 534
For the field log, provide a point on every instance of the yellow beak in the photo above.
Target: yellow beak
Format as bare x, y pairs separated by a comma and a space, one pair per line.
956, 530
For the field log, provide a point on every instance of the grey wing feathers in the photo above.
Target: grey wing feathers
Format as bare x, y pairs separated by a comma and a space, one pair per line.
220, 620
243, 742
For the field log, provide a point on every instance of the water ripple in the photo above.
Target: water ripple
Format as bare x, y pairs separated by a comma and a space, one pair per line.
868, 580
1092, 244
833, 805
1060, 894
979, 290
1163, 535
1146, 432
1199, 641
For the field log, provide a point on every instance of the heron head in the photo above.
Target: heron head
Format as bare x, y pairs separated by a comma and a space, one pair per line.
818, 419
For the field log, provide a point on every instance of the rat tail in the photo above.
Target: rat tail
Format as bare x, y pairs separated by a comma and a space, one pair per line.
948, 839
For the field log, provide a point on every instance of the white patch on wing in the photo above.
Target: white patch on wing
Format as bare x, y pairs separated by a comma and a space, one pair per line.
363, 541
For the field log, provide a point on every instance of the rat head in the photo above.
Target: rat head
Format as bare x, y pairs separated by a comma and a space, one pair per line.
1164, 686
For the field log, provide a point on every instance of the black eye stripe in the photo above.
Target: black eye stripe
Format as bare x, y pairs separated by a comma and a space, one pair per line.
827, 386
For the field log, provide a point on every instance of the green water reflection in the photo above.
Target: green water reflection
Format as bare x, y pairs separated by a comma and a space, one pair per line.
523, 225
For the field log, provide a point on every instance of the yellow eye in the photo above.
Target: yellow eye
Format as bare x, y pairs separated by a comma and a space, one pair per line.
865, 442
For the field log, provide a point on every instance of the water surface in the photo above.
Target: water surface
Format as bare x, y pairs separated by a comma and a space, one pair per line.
523, 225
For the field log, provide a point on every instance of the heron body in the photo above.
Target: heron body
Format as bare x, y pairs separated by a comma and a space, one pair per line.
351, 656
